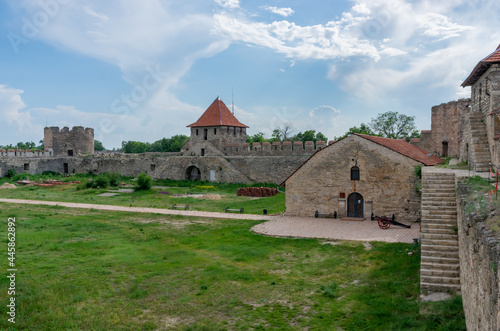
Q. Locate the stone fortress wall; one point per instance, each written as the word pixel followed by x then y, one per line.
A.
pixel 447 127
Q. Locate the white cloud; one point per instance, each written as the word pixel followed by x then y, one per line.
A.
pixel 228 3
pixel 330 41
pixel 12 108
pixel 284 11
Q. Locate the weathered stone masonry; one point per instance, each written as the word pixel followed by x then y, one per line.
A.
pixel 479 270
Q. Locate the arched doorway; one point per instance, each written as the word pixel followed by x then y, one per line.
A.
pixel 355 205
pixel 193 173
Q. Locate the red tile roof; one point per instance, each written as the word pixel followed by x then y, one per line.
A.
pixel 482 67
pixel 217 115
pixel 397 145
pixel 406 149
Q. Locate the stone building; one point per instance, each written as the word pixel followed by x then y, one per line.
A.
pixel 480 145
pixel 216 128
pixel 66 142
pixel 357 176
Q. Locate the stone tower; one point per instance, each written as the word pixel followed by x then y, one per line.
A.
pixel 66 142
pixel 216 127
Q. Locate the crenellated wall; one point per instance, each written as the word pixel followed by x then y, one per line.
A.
pixel 273 149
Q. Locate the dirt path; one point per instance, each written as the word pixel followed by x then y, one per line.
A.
pixel 278 226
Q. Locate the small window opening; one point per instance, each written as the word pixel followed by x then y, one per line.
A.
pixel 205 134
pixel 70 152
pixel 153 167
pixel 215 131
pixel 26 166
pixel 196 131
pixel 354 173
pixel 203 152
pixel 66 168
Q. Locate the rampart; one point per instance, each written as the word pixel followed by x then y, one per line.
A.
pixel 216 168
pixel 274 149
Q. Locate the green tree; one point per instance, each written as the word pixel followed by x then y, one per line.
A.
pixel 98 146
pixel 257 138
pixel 362 129
pixel 394 125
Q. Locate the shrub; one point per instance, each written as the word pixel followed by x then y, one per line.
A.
pixel 10 173
pixel 114 178
pixel 329 290
pixel 144 181
pixel 102 181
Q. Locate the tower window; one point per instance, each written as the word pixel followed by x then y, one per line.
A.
pixel 215 131
pixel 196 131
pixel 354 173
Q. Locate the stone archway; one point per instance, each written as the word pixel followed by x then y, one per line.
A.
pixel 193 173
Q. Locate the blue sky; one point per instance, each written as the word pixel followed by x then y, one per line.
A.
pixel 143 70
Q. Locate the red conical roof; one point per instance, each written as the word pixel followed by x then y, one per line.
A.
pixel 217 115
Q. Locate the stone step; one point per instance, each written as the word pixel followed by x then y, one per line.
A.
pixel 439 180
pixel 441 266
pixel 439 201
pixel 440 242
pixel 432 190
pixel 439 206
pixel 439 279
pixel 437 213
pixel 429 247
pixel 430 287
pixel 444 254
pixel 440 273
pixel 434 259
pixel 436 195
pixel 438 231
pixel 438 236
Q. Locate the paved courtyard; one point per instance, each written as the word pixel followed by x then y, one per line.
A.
pixel 278 226
pixel 335 229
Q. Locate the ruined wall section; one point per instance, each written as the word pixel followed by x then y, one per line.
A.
pixel 479 253
pixel 447 127
pixel 66 142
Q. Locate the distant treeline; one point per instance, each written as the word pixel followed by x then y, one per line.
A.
pixel 173 144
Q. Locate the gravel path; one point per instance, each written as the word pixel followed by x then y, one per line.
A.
pixel 278 226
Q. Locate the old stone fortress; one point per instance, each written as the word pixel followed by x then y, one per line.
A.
pixel 354 177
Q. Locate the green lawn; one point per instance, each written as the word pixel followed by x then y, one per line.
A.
pixel 87 269
pixel 155 197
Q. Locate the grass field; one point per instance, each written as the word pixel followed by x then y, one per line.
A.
pixel 157 197
pixel 87 269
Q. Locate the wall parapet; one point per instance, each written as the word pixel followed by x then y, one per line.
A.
pixel 276 148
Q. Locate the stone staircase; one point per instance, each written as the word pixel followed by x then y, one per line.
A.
pixel 439 268
pixel 479 149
